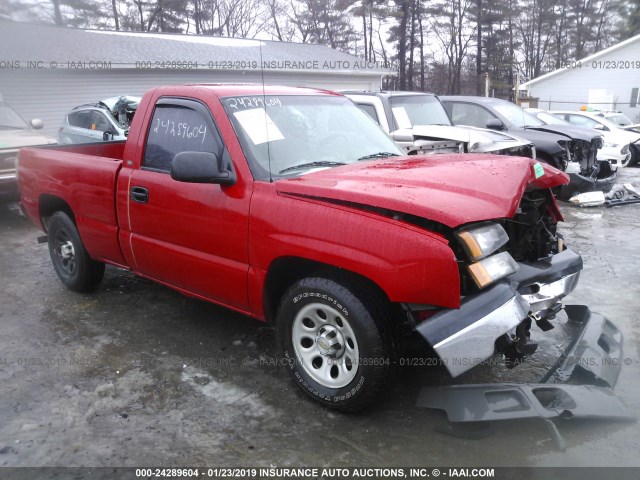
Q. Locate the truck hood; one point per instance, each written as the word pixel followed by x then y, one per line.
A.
pixel 568 131
pixel 483 140
pixel 621 137
pixel 448 189
pixel 11 139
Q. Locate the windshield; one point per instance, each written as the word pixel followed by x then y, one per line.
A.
pixel 551 119
pixel 516 115
pixel 606 122
pixel 290 135
pixel 9 119
pixel 619 119
pixel 411 110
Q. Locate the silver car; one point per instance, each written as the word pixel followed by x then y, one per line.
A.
pixel 107 120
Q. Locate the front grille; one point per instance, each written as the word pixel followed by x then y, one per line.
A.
pixel 585 154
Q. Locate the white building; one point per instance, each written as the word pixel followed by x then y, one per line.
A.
pixel 45 70
pixel 607 80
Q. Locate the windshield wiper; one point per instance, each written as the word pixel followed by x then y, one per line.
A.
pixel 379 155
pixel 312 164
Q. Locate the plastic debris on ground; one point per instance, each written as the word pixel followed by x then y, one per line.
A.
pixel 589 199
pixel 623 195
pixel 619 195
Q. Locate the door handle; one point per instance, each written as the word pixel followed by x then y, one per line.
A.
pixel 139 194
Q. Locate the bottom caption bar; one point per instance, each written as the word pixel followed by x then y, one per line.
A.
pixel 319 473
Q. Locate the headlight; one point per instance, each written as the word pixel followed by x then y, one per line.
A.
pixel 493 268
pixel 481 241
pixel 611 145
pixel 474 147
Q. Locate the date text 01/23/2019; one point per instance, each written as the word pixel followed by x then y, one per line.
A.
pixel 604 64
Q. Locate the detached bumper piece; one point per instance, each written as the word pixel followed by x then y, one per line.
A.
pixel 595 354
pixel 494 402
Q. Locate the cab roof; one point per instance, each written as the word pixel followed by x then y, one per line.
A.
pixel 229 89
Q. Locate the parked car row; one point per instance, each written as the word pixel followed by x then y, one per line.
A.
pixel 564 147
pixel 419 123
pixel 588 146
pixel 625 142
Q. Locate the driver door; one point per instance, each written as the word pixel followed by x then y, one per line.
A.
pixel 189 235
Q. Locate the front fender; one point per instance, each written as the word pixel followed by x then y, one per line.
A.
pixel 408 263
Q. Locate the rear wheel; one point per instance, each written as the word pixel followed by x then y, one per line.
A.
pixel 334 341
pixel 70 260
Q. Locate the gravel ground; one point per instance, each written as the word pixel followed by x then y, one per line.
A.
pixel 136 374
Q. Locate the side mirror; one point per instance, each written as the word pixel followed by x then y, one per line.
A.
pixel 601 127
pixel 402 136
pixel 36 124
pixel 107 136
pixel 201 167
pixel 495 124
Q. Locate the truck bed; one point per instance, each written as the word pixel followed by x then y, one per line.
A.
pixel 112 150
pixel 84 178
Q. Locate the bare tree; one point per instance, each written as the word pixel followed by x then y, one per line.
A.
pixel 451 28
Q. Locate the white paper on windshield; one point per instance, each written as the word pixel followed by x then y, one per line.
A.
pixel 258 125
pixel 402 119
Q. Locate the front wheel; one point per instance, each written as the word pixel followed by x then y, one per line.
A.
pixel 332 337
pixel 635 155
pixel 70 260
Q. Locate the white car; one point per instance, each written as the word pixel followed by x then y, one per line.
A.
pixel 622 145
pixel 616 117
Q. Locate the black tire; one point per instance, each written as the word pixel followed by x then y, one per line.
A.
pixel 635 156
pixel 355 316
pixel 70 260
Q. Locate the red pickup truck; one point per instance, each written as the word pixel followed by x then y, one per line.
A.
pixel 292 206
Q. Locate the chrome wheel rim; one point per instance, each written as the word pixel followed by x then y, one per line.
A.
pixel 65 252
pixel 325 345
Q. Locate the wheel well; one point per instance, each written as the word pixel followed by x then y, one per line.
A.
pixel 50 204
pixel 285 271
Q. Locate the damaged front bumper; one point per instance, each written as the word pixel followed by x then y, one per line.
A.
pixel 601 178
pixel 465 337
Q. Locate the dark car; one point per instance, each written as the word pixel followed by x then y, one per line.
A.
pixel 557 145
